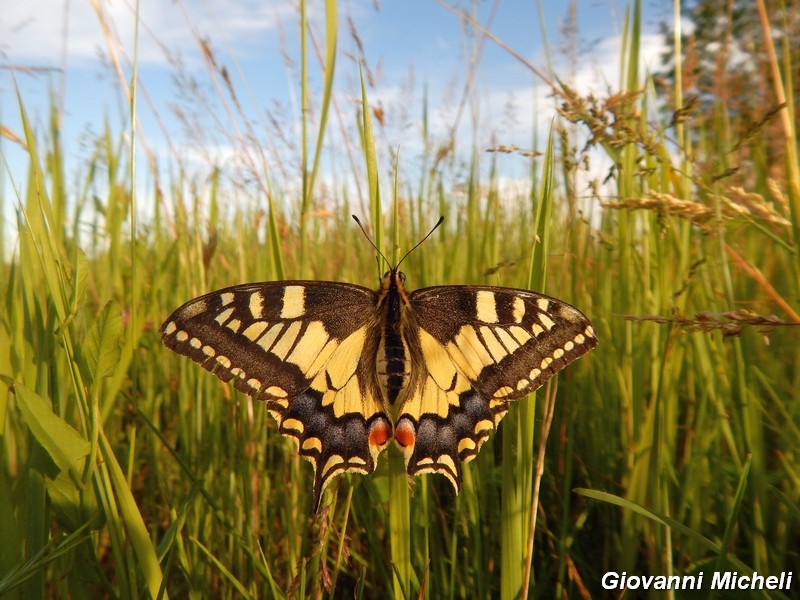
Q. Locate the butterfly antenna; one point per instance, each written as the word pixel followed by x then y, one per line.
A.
pixel 435 227
pixel 439 222
pixel 369 239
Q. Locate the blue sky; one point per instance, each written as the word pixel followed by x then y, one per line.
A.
pixel 56 47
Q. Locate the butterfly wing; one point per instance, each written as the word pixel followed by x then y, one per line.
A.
pixel 473 350
pixel 308 349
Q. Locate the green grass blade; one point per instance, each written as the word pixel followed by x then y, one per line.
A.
pixel 240 588
pixel 371 160
pixel 147 562
pixel 331 40
pixel 713 547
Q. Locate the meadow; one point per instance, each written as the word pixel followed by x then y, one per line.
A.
pixel 672 449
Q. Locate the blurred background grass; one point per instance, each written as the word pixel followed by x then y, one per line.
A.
pixel 130 472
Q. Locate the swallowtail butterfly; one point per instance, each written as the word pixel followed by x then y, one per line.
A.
pixel 345 369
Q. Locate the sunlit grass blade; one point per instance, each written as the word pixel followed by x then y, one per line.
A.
pixel 240 588
pixel 666 521
pixel 136 531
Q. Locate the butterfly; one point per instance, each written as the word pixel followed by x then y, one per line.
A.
pixel 345 369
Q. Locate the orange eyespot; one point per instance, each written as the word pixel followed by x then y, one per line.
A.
pixel 404 434
pixel 379 433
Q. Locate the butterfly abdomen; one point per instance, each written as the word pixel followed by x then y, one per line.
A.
pixel 392 364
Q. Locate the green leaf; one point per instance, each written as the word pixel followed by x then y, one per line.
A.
pixel 74 504
pixel 74 507
pixel 102 346
pixel 60 440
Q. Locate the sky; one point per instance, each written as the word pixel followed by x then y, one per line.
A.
pixel 416 54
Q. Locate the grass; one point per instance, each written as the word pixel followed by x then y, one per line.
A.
pixel 672 449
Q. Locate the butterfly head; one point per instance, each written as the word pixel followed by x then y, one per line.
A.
pixel 393 279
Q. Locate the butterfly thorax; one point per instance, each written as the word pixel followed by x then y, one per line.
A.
pixel 393 361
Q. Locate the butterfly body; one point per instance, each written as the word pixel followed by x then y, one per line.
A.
pixel 344 369
pixel 393 361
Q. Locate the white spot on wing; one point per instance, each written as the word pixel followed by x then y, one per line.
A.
pixel 332 463
pixel 276 392
pixel 519 309
pixel 312 443
pixel 256 304
pixel 295 425
pixel 193 309
pixel 445 460
pixel 519 334
pixel 483 425
pixel 254 330
pixel 570 313
pixel 226 298
pixel 223 317
pixel 466 444
pixel 546 321
pixel 294 302
pixel 486 307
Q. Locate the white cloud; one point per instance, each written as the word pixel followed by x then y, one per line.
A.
pixel 33 32
pixel 602 72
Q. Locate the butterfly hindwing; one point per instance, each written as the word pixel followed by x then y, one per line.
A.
pixel 476 349
pixel 300 346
